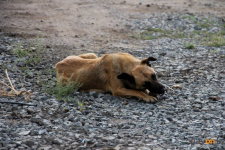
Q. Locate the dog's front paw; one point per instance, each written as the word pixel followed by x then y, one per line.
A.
pixel 150 99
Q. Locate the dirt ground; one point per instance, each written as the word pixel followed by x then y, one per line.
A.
pixel 90 24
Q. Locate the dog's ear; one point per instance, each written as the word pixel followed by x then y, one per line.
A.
pixel 146 61
pixel 126 77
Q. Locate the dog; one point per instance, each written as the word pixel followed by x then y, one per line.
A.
pixel 120 74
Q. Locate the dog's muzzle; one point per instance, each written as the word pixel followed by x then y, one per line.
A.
pixel 157 88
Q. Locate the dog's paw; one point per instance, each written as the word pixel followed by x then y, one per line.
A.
pixel 150 99
pixel 153 94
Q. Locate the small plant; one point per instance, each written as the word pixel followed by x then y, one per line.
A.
pixel 65 110
pixel 135 36
pixel 189 45
pixel 81 104
pixel 189 17
pixel 62 90
pixel 37 47
pixel 19 51
pixel 204 25
pixel 145 37
pixel 154 29
pixel 215 40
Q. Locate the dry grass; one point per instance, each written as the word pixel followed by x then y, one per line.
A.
pixel 13 91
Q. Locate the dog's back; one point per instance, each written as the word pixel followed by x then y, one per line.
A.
pixel 93 72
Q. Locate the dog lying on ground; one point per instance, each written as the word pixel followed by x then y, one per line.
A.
pixel 120 74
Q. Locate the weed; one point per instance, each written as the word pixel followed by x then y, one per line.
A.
pixel 19 51
pixel 179 35
pixel 148 34
pixel 154 29
pixel 189 45
pixel 81 104
pixel 62 91
pixel 213 51
pixel 222 32
pixel 36 57
pixel 189 17
pixel 146 37
pixel 204 25
pixel 215 40
pixel 135 36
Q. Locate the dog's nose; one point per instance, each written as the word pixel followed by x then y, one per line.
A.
pixel 163 89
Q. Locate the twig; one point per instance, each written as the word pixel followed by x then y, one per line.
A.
pixel 18 103
pixel 10 81
pixel 17 93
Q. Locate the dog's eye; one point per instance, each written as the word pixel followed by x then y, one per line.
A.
pixel 154 77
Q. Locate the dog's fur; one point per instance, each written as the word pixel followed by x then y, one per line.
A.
pixel 120 74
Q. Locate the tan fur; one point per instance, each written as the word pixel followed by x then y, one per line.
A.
pixel 100 74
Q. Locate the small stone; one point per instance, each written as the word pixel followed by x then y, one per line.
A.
pixel 39 29
pixel 57 141
pixel 40 132
pixel 23 133
pixel 109 138
pixel 29 143
pixel 214 98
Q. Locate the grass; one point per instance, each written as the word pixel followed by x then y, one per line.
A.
pixel 61 91
pixel 189 45
pixel 178 35
pixel 215 40
pixel 20 51
pixel 204 25
pixel 33 52
pixel 189 17
pixel 148 34
pixel 209 39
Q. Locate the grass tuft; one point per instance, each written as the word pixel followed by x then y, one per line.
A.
pixel 189 45
pixel 61 91
pixel 20 51
pixel 215 40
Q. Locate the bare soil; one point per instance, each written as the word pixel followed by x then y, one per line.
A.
pixel 90 24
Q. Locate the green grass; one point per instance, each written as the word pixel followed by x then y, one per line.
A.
pixel 204 25
pixel 148 34
pixel 33 52
pixel 20 51
pixel 37 47
pixel 189 17
pixel 178 35
pixel 189 45
pixel 206 38
pixel 146 37
pixel 215 40
pixel 61 91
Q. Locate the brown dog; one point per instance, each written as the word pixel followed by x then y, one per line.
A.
pixel 120 74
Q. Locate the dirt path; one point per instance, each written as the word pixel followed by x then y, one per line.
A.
pixel 90 24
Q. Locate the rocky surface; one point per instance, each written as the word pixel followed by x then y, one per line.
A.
pixel 182 119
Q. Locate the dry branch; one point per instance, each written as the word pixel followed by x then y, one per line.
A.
pixel 13 91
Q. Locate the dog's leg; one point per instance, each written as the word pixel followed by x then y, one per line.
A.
pixel 88 56
pixel 123 92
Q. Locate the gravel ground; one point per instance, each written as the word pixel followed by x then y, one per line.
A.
pixel 182 119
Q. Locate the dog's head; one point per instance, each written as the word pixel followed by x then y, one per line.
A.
pixel 143 77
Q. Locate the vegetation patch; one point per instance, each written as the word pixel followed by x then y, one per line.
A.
pixel 215 40
pixel 62 91
pixel 20 51
pixel 189 45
